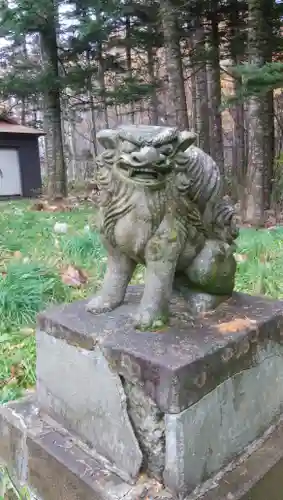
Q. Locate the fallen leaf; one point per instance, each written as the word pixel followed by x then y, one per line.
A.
pixel 52 208
pixel 17 254
pixel 73 276
pixel 235 325
pixel 55 206
pixel 12 379
pixel 37 206
pixel 240 257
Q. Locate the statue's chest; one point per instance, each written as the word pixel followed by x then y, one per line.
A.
pixel 130 226
pixel 132 233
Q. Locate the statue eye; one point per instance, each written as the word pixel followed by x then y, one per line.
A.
pixel 127 147
pixel 166 150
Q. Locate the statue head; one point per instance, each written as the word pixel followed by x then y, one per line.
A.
pixel 143 154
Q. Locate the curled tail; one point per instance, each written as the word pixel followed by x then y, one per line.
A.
pixel 222 221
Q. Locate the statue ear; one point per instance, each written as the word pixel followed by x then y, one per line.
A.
pixel 185 140
pixel 108 138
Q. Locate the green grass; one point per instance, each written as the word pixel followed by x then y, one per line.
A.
pixel 261 270
pixel 33 258
pixel 9 489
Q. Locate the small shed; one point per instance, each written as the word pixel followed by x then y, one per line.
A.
pixel 20 173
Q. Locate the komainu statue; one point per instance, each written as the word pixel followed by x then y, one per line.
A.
pixel 161 205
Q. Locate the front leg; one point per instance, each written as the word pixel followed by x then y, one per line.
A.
pixel 154 306
pixel 162 253
pixel 119 272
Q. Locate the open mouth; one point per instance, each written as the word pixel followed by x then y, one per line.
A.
pixel 143 175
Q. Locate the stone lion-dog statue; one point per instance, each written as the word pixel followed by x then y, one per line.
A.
pixel 161 205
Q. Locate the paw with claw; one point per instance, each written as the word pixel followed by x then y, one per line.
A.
pixel 100 304
pixel 150 319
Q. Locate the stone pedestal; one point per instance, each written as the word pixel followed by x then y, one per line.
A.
pixel 176 405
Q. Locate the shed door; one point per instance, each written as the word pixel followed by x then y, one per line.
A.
pixel 10 176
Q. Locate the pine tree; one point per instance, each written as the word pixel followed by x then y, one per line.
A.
pixel 235 50
pixel 214 85
pixel 174 65
pixel 257 30
pixel 29 17
pixel 259 79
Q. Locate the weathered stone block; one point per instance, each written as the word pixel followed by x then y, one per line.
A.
pixel 13 430
pixel 55 465
pixel 255 476
pixel 149 425
pixel 78 389
pixel 179 364
pixel 187 393
pixel 206 436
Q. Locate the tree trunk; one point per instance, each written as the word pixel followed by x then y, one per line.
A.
pixel 268 15
pixel 270 148
pixel 72 146
pixel 47 127
pixel 239 142
pixel 129 63
pixel 254 203
pixel 153 112
pixel 57 175
pixel 101 78
pixel 239 147
pixel 35 106
pixel 23 111
pixel 192 78
pixel 194 101
pixel 214 90
pixel 201 94
pixel 254 206
pixel 174 67
pixel 93 144
pixel 24 106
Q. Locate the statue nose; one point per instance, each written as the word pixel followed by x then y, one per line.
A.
pixel 146 155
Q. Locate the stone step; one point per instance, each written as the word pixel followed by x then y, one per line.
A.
pixel 42 454
pixel 256 475
pixel 56 466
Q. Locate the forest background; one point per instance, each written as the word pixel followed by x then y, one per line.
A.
pixel 72 67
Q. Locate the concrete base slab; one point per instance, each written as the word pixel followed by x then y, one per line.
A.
pixel 77 388
pixel 42 454
pixel 178 404
pixel 220 426
pixel 182 363
pixel 256 475
pixel 56 466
